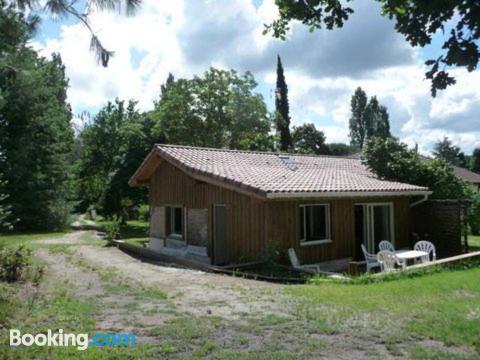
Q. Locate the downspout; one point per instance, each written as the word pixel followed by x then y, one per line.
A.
pixel 425 198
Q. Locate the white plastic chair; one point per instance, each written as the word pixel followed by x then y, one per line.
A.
pixel 386 245
pixel 370 259
pixel 388 260
pixel 428 247
pixel 312 268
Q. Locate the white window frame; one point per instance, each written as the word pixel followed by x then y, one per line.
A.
pixel 367 236
pixel 328 240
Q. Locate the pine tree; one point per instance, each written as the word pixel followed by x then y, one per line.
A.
pixel 282 116
pixel 35 136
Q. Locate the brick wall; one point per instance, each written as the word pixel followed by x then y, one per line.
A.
pixel 439 221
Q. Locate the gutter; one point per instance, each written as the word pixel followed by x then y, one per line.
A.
pixel 425 198
pixel 344 194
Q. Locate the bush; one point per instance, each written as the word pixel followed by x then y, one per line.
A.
pixel 13 262
pixel 391 160
pixel 144 212
pixel 112 228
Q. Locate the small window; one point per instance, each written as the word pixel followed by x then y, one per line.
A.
pixel 314 224
pixel 175 221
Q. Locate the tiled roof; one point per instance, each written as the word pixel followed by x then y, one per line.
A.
pixel 266 173
pixel 466 175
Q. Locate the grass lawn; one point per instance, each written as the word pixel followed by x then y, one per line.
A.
pixel 444 307
pixel 132 229
pixel 434 316
pixel 13 239
pixel 474 242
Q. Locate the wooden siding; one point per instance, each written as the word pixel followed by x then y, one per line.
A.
pixel 252 223
pixel 283 218
pixel 245 218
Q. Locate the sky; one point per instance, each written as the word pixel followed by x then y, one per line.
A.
pixel 322 69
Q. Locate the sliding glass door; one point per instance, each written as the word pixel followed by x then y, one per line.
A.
pixel 377 224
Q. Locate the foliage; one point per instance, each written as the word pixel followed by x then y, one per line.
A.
pixel 80 11
pixel 13 262
pixel 218 109
pixel 112 228
pixel 308 140
pixel 392 160
pixel 282 109
pixel 111 148
pixel 339 149
pixel 446 150
pixel 35 133
pixel 418 21
pixel 474 211
pixel 367 119
pixel 5 209
pixel 475 161
pixel 144 212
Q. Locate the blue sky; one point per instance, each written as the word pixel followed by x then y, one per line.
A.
pixel 323 68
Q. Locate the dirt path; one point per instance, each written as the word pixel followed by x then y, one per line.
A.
pixel 165 305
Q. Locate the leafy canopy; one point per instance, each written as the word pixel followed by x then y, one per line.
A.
pixel 368 119
pixel 446 150
pixel 218 109
pixel 418 21
pixel 35 133
pixel 392 160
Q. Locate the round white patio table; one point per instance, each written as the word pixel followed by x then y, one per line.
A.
pixel 410 254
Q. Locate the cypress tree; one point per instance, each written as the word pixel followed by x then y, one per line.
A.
pixel 282 116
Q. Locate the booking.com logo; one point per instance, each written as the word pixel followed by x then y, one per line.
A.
pixel 81 341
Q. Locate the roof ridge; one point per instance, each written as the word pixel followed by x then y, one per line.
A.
pixel 257 151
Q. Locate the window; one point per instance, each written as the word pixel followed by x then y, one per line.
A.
pixel 175 221
pixel 314 224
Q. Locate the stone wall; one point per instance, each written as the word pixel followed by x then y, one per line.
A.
pixel 439 221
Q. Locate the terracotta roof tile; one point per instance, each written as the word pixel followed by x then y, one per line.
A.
pixel 266 172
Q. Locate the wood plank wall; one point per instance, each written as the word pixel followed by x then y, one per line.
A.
pixel 253 222
pixel 245 218
pixel 283 218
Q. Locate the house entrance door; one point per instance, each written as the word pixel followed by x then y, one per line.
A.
pixel 220 245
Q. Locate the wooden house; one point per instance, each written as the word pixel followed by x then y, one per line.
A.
pixel 227 206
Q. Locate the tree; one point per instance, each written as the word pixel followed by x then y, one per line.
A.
pixel 475 165
pixel 418 21
pixel 359 127
pixel 377 119
pixel 308 140
pixel 446 150
pixel 339 149
pixel 5 208
pixel 80 11
pixel 392 160
pixel 112 146
pixel 218 109
pixel 282 115
pixel 367 119
pixel 35 132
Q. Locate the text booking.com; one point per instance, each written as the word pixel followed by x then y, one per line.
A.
pixel 80 341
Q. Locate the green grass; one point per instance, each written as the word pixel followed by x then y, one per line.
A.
pixel 474 242
pixel 14 239
pixel 132 229
pixel 442 306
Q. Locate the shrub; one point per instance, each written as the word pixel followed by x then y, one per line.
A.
pixel 144 212
pixel 13 262
pixel 112 228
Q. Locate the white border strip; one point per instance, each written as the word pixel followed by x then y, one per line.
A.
pixel 343 194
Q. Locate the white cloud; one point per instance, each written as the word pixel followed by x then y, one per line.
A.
pixel 323 68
